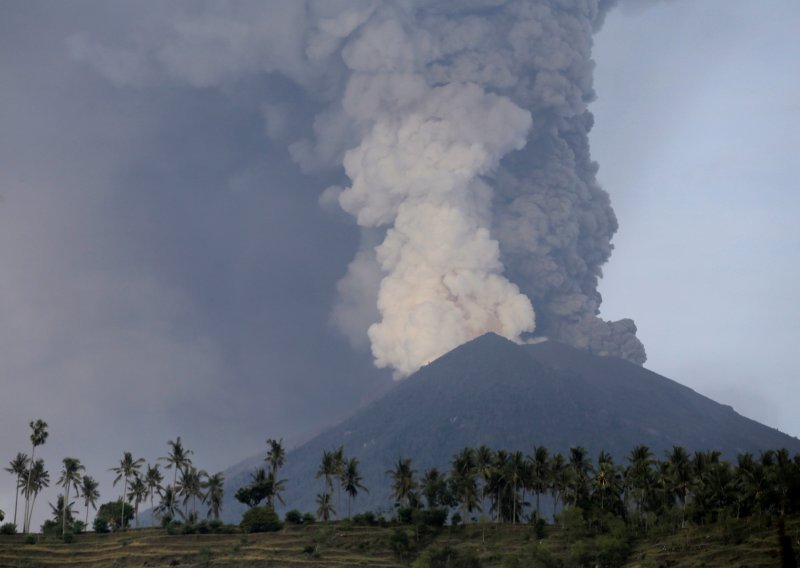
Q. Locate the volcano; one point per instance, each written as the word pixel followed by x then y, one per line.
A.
pixel 495 392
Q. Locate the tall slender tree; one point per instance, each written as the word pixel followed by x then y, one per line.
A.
pixel 177 459
pixel 127 468
pixel 324 507
pixel 17 468
pixel 215 489
pixel 539 474
pixel 191 487
pixel 38 479
pixel 90 494
pixel 153 479
pixel 39 436
pixel 403 482
pixel 327 470
pixel 352 482
pixel 276 456
pixel 70 477
pixel 464 482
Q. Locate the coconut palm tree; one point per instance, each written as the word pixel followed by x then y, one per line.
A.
pixel 38 479
pixel 484 459
pixel 215 488
pixel 324 507
pixel 351 482
pixel 338 468
pixel 90 494
pixel 464 482
pixel 70 477
pixel 639 477
pixel 128 467
pixel 17 468
pixel 153 479
pixel 559 480
pixel 177 459
pixel 679 473
pixel 539 474
pixel 581 467
pixel 276 455
pixel 515 474
pixel 39 435
pixel 191 486
pixel 434 488
pixel 137 494
pixel 167 507
pixel 403 483
pixel 326 470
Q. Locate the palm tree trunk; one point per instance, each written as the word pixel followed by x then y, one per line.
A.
pixel 538 510
pixel 16 500
pixel 28 491
pixel 64 513
pixel 124 491
pixel 87 515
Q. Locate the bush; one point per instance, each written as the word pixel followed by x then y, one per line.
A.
pixel 294 517
pixel 8 528
pixel 261 519
pixel 31 539
pixel 401 544
pixel 78 527
pixel 69 538
pixel 112 513
pixel 308 519
pixel 215 525
pixel 455 520
pixel 366 519
pixel 435 557
pixel 100 525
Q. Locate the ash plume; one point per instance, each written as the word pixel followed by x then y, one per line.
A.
pixel 458 131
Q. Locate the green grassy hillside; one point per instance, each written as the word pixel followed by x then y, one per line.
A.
pixel 339 544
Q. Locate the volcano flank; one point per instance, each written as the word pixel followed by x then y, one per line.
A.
pixel 495 392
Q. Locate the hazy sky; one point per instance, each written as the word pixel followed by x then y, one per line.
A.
pixel 167 268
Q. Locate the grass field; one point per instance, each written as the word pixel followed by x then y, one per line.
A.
pixel 336 544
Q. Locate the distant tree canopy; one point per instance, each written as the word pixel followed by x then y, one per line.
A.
pixel 111 513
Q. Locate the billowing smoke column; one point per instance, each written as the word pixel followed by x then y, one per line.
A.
pixel 462 129
pixel 480 202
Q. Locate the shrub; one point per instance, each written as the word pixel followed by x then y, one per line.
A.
pixel 78 527
pixel 215 525
pixel 294 517
pixel 455 520
pixel 308 519
pixel 435 557
pixel 31 539
pixel 261 519
pixel 8 528
pixel 69 538
pixel 100 525
pixel 401 544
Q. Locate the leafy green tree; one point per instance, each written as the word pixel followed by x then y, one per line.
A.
pixel 17 468
pixel 90 494
pixel 70 477
pixel 352 482
pixel 214 486
pixel 115 514
pixel 324 507
pixel 261 519
pixel 39 436
pixel 63 515
pixel 127 468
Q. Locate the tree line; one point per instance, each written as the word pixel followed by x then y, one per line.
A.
pixel 139 484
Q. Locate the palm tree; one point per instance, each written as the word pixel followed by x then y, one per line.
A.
pixel 324 507
pixel 338 468
pixel 89 493
pixel 484 459
pixel 38 479
pixel 38 437
pixel 559 480
pixel 214 486
pixel 403 483
pixel 127 468
pixel 153 479
pixel 276 455
pixel 464 483
pixel 327 469
pixel 639 476
pixel 581 466
pixel 607 479
pixel 516 471
pixel 137 494
pixel 434 487
pixel 679 477
pixel 191 486
pixel 16 467
pixel 351 482
pixel 177 460
pixel 539 474
pixel 167 507
pixel 70 476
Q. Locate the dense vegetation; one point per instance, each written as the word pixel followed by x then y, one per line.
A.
pixel 592 512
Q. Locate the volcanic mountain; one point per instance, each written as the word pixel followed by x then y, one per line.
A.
pixel 495 392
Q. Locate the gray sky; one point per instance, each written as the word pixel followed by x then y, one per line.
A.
pixel 167 269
